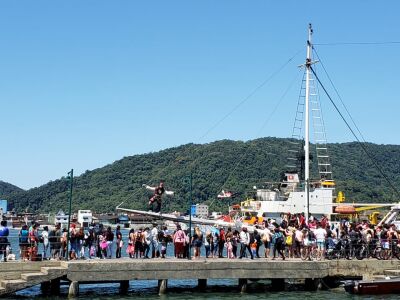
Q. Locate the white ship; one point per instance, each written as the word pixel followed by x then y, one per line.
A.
pixel 295 194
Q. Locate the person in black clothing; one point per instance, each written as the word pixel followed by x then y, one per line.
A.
pixel 110 239
pixel 98 233
pixel 118 236
pixel 90 240
pixel 257 238
pixel 159 191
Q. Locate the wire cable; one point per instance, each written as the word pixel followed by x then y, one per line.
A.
pixel 355 136
pixel 337 93
pixel 261 129
pixel 357 43
pixel 249 95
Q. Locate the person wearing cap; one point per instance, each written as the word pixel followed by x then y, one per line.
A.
pixel 159 191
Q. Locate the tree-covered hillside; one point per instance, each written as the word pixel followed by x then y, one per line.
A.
pixel 7 188
pixel 229 165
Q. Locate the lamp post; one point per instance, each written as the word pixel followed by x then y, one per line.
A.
pixel 189 179
pixel 71 182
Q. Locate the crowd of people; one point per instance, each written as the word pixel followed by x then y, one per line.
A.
pixel 270 239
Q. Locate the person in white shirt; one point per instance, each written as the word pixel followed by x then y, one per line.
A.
pixel 45 240
pixel 245 243
pixel 320 234
pixel 154 241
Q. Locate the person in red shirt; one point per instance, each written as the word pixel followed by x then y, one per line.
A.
pixel 221 242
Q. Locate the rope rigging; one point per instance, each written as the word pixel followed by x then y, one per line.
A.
pixel 262 128
pixel 269 78
pixel 356 43
pixel 355 136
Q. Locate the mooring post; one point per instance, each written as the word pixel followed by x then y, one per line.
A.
pixel 243 285
pixel 55 287
pixel 311 284
pixel 202 284
pixel 278 284
pixel 162 286
pixel 73 291
pixel 45 287
pixel 123 286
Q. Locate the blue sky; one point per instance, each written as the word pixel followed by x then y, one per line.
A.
pixel 84 83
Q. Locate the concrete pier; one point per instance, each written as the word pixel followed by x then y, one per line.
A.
pixel 15 276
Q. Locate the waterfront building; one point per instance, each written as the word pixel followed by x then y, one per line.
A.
pixel 199 210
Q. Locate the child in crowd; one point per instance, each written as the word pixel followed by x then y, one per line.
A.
pixel 253 247
pixel 229 248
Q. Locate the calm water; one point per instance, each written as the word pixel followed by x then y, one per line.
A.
pixel 186 289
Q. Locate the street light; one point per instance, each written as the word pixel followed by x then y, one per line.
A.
pixel 71 182
pixel 189 180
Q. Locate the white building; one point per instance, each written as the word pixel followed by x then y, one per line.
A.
pixel 61 218
pixel 85 218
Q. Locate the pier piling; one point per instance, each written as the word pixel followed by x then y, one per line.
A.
pixel 278 284
pixel 311 284
pixel 124 287
pixel 243 285
pixel 73 291
pixel 202 284
pixel 162 286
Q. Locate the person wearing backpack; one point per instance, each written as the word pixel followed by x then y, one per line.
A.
pixel 278 243
pixel 139 243
pixel 23 242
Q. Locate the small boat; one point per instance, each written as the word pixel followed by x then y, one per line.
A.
pixel 373 287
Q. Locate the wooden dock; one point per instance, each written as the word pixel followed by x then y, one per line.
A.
pixel 15 276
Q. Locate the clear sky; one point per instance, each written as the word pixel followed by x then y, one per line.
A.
pixel 85 83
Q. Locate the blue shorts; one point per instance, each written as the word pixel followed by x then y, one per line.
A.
pixel 321 244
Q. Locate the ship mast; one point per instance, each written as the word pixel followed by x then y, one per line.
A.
pixel 307 125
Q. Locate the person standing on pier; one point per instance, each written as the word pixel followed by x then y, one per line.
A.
pixel 179 241
pixel 221 242
pixel 154 242
pixel 110 241
pixel 159 191
pixel 23 242
pixel 278 242
pixel 118 236
pixel 45 241
pixel 245 243
pixel 147 242
pixel 4 232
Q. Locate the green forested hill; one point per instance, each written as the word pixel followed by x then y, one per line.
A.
pixel 6 189
pixel 231 165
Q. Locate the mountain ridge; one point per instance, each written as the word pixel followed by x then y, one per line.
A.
pixel 225 164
